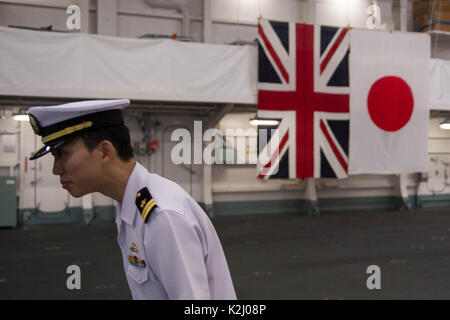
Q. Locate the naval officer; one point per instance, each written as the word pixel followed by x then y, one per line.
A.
pixel 169 246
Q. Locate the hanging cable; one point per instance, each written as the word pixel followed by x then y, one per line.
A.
pixel 259 9
pixel 237 22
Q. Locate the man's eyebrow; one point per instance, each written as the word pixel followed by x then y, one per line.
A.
pixel 56 150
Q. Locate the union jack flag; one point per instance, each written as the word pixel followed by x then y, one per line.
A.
pixel 303 82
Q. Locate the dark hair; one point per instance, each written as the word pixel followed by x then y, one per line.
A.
pixel 119 136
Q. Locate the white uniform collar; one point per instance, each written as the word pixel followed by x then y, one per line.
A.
pixel 136 182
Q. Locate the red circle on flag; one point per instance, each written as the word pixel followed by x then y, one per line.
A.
pixel 390 103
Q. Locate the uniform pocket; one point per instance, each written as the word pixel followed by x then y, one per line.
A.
pixel 140 275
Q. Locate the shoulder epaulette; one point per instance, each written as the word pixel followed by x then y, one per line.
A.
pixel 145 203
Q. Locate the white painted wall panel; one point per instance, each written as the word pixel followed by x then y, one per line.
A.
pixel 136 26
pixel 9 143
pixel 248 11
pixel 228 33
pixel 351 13
pixel 32 16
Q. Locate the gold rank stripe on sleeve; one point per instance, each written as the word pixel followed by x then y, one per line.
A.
pixel 148 207
pixel 145 203
pixel 66 131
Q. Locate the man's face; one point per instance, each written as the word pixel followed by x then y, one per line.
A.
pixel 78 168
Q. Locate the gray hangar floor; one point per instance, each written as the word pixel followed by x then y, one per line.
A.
pixel 270 257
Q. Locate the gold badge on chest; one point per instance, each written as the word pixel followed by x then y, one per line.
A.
pixel 134 248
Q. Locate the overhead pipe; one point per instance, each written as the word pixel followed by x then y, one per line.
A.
pixel 181 7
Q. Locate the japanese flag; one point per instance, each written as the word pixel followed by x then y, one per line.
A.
pixel 389 110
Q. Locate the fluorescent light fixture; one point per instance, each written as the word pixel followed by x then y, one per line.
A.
pixel 264 122
pixel 445 124
pixel 21 117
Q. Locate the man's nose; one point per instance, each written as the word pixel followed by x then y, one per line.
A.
pixel 57 169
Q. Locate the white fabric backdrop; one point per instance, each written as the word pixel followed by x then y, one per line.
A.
pixel 41 63
pixel 440 85
pixel 50 64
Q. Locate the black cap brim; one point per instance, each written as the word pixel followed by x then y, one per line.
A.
pixel 46 149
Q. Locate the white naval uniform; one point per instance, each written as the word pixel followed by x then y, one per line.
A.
pixel 182 252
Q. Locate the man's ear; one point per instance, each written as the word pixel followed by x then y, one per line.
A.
pixel 107 150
